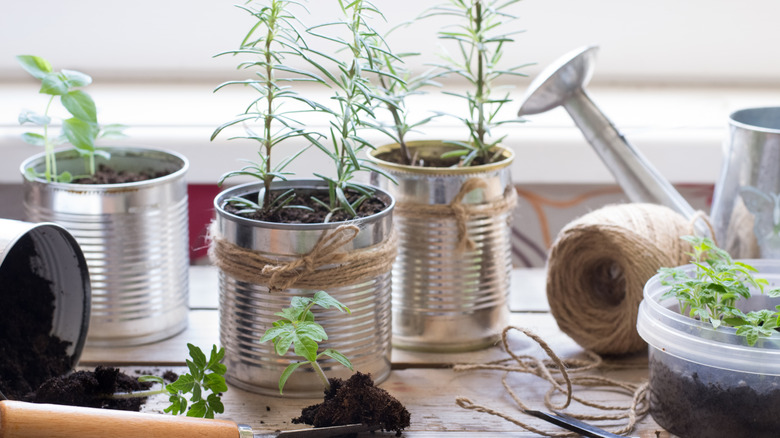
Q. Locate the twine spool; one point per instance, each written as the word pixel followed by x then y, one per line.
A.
pixel 598 267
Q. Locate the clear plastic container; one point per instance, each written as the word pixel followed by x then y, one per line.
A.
pixel 707 382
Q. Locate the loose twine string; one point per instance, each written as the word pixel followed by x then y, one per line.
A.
pixel 599 264
pixel 306 271
pixel 558 373
pixel 459 210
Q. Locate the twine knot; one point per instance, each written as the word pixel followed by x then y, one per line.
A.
pixel 460 211
pixel 324 267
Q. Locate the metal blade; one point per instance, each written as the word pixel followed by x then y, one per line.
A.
pixel 320 432
pixel 573 424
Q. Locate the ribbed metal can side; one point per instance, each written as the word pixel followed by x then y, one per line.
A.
pixel 446 299
pixel 135 239
pixel 247 310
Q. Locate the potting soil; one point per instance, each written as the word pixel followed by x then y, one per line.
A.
pixel 356 400
pixel 697 401
pixel 28 354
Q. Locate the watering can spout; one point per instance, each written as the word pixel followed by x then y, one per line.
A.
pixel 563 84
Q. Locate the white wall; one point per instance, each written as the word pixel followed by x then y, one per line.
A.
pixel 659 41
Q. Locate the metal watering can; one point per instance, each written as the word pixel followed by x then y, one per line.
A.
pixel 746 205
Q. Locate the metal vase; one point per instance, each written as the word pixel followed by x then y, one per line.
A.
pixel 134 237
pixel 58 259
pixel 446 300
pixel 247 309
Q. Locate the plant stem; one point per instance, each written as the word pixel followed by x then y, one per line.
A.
pixel 137 394
pixel 480 94
pixel 321 375
pixel 51 163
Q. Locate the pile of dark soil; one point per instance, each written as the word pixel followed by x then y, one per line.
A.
pixel 28 354
pixel 91 389
pixel 356 400
pixel 108 175
pixel 694 400
pixel 316 215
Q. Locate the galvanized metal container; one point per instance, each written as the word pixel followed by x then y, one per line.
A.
pixel 134 237
pixel 446 299
pixel 247 309
pixel 56 257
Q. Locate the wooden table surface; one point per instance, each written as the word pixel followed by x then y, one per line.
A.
pixel 425 383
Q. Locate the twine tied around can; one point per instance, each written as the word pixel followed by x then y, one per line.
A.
pixel 461 211
pixel 563 376
pixel 306 271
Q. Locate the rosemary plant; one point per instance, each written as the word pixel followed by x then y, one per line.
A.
pixel 355 100
pixel 271 40
pixel 480 49
pixel 276 39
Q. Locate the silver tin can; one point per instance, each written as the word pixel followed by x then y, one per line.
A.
pixel 247 309
pixel 135 239
pixel 446 299
pixel 55 257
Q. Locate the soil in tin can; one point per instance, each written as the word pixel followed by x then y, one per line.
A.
pixel 105 174
pixel 356 400
pixel 28 354
pixel 693 400
pixel 313 213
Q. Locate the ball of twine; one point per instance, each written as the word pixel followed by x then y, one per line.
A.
pixel 598 266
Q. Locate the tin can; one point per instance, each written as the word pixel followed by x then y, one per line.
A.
pixel 447 298
pixel 55 257
pixel 134 237
pixel 248 309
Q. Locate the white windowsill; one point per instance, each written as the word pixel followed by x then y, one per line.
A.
pixel 681 130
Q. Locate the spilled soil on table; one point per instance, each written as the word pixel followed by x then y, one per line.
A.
pixel 357 400
pixel 34 365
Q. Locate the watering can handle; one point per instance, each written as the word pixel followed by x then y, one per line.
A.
pixel 562 84
pixel 634 173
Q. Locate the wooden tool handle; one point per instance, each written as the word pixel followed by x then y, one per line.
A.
pixel 31 420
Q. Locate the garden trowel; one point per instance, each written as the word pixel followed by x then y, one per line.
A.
pixel 33 420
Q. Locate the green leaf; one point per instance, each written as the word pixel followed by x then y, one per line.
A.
pixel 28 116
pixel 184 383
pixel 35 65
pixel 34 139
pixel 153 379
pixel 197 356
pixel 80 105
pixel 215 383
pixel 287 373
pixel 324 300
pixel 80 134
pixel 198 409
pixel 54 84
pixel 306 348
pixel 340 358
pixel 215 404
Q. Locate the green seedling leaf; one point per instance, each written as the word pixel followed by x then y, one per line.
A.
pixel 34 139
pixel 80 134
pixel 28 116
pixel 80 105
pixel 716 288
pixel 35 65
pixel 299 330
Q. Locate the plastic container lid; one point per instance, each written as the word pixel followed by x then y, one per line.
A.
pixel 663 328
